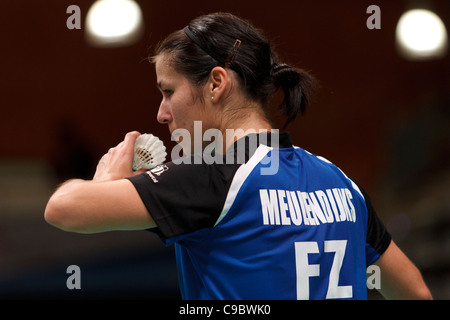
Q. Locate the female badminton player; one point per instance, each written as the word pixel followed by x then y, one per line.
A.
pixel 270 221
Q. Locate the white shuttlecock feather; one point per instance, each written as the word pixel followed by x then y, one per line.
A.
pixel 149 152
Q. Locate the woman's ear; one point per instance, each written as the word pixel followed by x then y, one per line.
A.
pixel 218 84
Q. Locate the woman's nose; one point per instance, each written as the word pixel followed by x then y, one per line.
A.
pixel 164 116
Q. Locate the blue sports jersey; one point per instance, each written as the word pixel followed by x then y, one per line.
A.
pixel 306 231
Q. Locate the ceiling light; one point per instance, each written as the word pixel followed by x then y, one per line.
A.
pixel 421 34
pixel 113 23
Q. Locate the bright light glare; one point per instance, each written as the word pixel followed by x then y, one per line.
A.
pixel 421 34
pixel 113 22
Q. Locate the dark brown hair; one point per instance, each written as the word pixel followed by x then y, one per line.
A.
pixel 207 43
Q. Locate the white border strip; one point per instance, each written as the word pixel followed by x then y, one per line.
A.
pixel 240 176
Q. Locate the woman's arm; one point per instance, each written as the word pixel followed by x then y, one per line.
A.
pixel 400 279
pixel 108 202
pixel 91 207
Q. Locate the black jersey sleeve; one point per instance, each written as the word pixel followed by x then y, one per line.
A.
pixel 183 198
pixel 378 237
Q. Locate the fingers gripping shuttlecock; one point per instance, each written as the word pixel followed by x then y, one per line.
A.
pixel 149 152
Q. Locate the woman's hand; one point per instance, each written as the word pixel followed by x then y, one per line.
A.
pixel 117 162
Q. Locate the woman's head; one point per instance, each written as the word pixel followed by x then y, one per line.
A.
pixel 224 40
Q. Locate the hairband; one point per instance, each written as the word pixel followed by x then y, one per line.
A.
pixel 231 56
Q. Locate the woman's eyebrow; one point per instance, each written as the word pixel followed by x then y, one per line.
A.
pixel 161 84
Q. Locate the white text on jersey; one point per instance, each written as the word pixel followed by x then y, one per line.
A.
pixel 285 207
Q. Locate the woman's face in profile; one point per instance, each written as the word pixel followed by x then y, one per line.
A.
pixel 181 104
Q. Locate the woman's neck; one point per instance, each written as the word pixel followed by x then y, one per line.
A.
pixel 240 122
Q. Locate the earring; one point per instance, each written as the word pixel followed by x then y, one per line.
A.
pixel 212 98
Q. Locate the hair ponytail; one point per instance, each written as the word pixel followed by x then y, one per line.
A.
pixel 297 87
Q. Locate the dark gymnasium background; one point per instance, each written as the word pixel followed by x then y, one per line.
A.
pixel 382 118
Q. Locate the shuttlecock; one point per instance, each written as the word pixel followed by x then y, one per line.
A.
pixel 149 152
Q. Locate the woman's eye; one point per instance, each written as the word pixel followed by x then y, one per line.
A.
pixel 168 92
